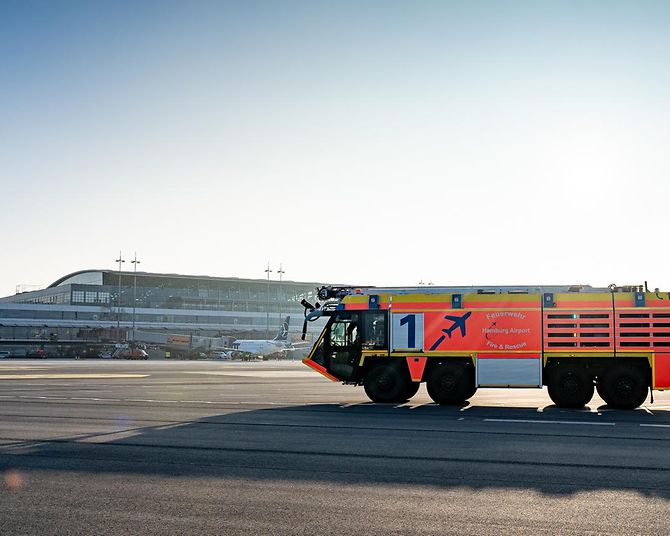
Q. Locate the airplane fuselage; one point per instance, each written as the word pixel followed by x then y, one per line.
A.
pixel 259 347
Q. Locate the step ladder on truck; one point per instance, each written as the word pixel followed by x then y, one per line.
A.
pixel 572 339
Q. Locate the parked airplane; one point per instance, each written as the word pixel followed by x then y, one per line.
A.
pixel 258 348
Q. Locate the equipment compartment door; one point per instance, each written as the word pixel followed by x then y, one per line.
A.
pixel 509 370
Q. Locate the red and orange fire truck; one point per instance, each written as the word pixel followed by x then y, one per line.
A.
pixel 571 339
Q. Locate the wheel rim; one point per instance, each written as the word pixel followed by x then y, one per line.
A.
pixel 448 383
pixel 624 387
pixel 571 385
pixel 384 383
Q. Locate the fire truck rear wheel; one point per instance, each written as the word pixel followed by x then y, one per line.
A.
pixel 450 384
pixel 623 387
pixel 386 383
pixel 570 387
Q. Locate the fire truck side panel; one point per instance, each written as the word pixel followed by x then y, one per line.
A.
pixel 643 329
pixel 578 329
pixel 661 368
pixel 504 329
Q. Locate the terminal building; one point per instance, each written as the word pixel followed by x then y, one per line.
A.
pixel 98 307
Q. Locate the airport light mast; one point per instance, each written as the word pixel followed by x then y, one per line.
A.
pixel 135 263
pixel 120 260
pixel 281 272
pixel 267 326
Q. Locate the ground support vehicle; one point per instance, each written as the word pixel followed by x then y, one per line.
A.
pixel 39 352
pixel 130 353
pixel 573 340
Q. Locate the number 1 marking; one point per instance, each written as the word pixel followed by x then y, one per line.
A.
pixel 410 320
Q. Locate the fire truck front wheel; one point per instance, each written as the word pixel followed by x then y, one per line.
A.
pixel 570 386
pixel 387 383
pixel 451 384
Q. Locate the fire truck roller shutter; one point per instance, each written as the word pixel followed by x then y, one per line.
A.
pixel 509 370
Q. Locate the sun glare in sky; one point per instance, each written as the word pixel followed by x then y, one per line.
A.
pixel 371 142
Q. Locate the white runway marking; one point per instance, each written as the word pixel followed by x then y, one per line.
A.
pixel 6 366
pixel 260 373
pixel 656 425
pixel 145 400
pixel 69 376
pixel 532 421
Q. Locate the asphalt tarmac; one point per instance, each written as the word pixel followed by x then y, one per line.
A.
pixel 109 447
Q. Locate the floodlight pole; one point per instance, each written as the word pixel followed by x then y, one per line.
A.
pixel 281 272
pixel 118 300
pixel 267 326
pixel 135 263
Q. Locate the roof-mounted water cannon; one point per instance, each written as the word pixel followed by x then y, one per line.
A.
pixel 331 296
pixel 333 293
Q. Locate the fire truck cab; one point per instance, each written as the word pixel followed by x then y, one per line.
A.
pixel 572 339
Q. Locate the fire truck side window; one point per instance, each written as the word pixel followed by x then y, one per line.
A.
pixel 343 332
pixel 374 330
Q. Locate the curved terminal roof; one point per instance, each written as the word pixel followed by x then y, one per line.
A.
pixel 97 277
pixel 93 277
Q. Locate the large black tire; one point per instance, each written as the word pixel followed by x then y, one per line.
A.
pixel 412 389
pixel 600 389
pixel 570 386
pixel 451 384
pixel 386 383
pixel 624 387
pixel 471 392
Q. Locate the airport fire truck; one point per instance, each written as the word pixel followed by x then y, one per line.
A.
pixel 573 339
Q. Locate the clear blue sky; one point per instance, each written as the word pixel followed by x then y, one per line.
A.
pixel 364 142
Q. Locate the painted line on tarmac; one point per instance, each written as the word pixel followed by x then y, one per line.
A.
pixel 85 398
pixel 96 399
pixel 35 397
pixel 536 421
pixel 656 425
pixel 147 400
pixel 286 374
pixel 5 367
pixel 69 376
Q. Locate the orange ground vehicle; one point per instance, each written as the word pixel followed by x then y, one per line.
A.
pixel 571 339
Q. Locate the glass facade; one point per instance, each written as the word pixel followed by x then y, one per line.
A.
pixel 176 292
pixel 87 305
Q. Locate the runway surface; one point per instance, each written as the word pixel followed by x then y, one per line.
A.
pixel 109 447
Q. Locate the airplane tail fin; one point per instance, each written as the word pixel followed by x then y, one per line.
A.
pixel 282 334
